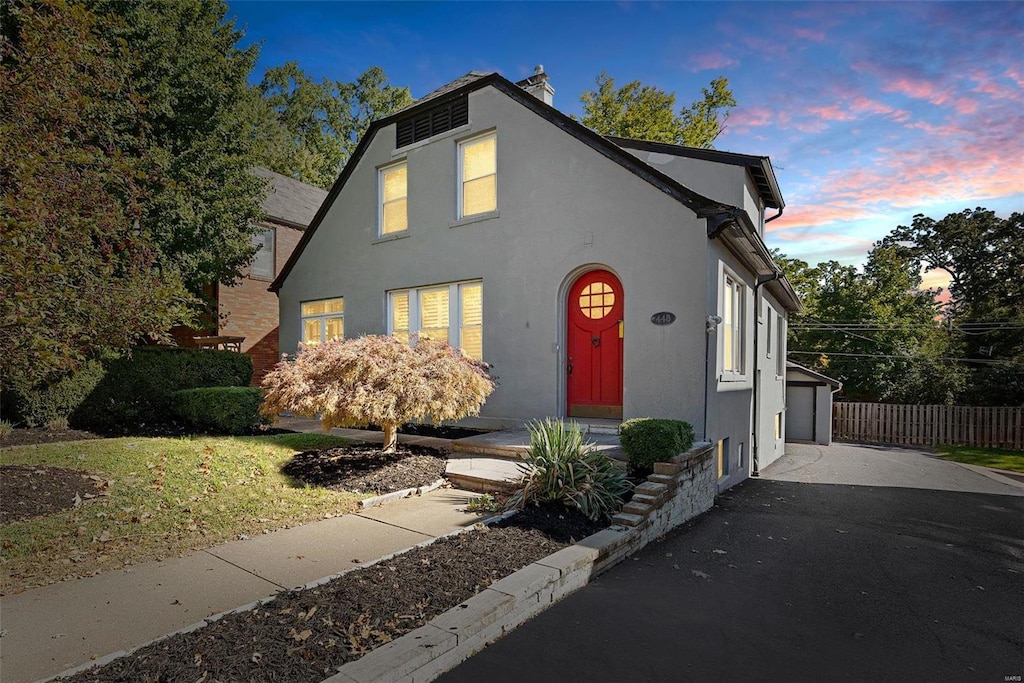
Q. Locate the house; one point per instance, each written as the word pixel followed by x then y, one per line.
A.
pixel 603 278
pixel 809 405
pixel 247 317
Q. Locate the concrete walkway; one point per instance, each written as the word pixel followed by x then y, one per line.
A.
pixel 49 630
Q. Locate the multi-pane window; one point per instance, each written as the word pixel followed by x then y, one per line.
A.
pixel 394 204
pixel 478 168
pixel 732 325
pixel 323 320
pixel 450 313
pixel 263 262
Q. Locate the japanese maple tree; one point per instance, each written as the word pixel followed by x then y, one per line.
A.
pixel 378 380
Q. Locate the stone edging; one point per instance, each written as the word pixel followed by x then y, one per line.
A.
pixel 678 491
pixel 396 495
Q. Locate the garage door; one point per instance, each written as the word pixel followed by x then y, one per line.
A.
pixel 800 413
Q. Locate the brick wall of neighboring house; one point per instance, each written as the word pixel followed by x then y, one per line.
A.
pixel 248 310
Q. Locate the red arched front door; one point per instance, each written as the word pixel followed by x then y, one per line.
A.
pixel 594 345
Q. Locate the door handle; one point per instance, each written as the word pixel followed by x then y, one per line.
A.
pixel 568 369
pixel 595 342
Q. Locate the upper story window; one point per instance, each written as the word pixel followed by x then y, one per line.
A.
pixel 394 204
pixel 323 320
pixel 780 340
pixel 262 266
pixel 478 174
pixel 451 313
pixel 732 333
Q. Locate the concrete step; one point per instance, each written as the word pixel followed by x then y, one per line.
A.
pixel 482 473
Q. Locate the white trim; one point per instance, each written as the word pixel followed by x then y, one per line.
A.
pixel 321 317
pixel 414 293
pixel 741 333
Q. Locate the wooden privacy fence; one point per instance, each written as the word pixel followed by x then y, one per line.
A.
pixel 929 425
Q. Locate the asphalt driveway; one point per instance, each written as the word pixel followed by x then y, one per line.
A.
pixel 817 571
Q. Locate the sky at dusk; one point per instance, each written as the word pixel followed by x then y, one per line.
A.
pixel 870 112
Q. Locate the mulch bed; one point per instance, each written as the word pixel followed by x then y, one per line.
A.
pixel 28 491
pixel 437 431
pixel 367 469
pixel 24 436
pixel 305 635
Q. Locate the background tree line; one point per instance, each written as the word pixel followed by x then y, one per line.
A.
pixel 889 341
pixel 129 130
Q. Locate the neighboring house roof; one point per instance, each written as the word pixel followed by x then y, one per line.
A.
pixel 289 201
pixel 729 223
pixel 790 365
pixel 759 168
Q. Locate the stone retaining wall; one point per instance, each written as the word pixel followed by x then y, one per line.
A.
pixel 678 491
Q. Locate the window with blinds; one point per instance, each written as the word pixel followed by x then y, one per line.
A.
pixel 451 313
pixel 394 206
pixel 262 266
pixel 478 161
pixel 322 320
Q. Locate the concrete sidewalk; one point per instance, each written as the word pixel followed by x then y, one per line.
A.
pixel 49 630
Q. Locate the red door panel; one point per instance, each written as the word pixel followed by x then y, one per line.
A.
pixel 594 346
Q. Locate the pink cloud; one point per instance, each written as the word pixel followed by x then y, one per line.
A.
pixel 745 118
pixel 832 112
pixel 809 34
pixel 964 105
pixel 918 88
pixel 711 60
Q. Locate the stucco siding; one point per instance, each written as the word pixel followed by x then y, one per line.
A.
pixel 562 207
pixel 722 182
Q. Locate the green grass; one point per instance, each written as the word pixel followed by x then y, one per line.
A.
pixel 986 457
pixel 165 497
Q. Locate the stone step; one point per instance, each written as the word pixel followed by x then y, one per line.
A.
pixel 482 474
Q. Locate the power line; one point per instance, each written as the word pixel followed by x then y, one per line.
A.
pixel 911 358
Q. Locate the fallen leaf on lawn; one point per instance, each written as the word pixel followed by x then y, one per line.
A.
pixel 78 500
pixel 308 615
pixel 104 537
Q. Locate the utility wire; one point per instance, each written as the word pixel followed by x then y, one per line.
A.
pixel 913 358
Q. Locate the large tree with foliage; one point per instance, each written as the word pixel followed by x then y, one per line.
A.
pixel 313 128
pixel 876 330
pixel 197 128
pixel 984 258
pixel 646 112
pixel 80 267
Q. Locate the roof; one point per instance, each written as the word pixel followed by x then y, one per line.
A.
pixel 445 89
pixel 759 168
pixel 289 201
pixel 729 223
pixel 790 365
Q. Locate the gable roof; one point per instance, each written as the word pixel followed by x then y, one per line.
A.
pixel 759 168
pixel 729 223
pixel 290 202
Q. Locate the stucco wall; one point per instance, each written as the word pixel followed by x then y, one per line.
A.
pixel 771 384
pixel 562 208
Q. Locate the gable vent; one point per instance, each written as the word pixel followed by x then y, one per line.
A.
pixel 433 121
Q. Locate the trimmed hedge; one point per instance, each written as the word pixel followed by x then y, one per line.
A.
pixel 648 440
pixel 135 394
pixel 225 410
pixel 43 404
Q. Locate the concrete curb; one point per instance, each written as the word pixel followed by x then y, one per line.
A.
pixel 991 473
pixel 456 635
pixel 398 495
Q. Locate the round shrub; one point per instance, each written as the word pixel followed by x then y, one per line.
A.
pixel 648 440
pixel 50 402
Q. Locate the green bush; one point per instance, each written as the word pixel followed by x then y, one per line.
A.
pixel 135 393
pixel 559 466
pixel 51 402
pixel 648 440
pixel 223 410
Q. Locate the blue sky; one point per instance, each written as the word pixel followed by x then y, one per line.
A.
pixel 870 112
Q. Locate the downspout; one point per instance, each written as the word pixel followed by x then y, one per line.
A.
pixel 755 472
pixel 776 215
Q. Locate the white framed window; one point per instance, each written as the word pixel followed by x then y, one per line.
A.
pixel 323 320
pixel 262 266
pixel 393 184
pixel 732 333
pixel 451 313
pixel 780 340
pixel 478 175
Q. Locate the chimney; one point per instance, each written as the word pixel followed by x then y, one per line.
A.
pixel 538 86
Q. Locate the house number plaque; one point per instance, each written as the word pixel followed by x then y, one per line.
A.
pixel 663 318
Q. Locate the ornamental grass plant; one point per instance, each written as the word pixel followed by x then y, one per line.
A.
pixel 560 466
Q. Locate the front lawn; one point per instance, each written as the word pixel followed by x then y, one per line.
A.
pixel 139 499
pixel 986 457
